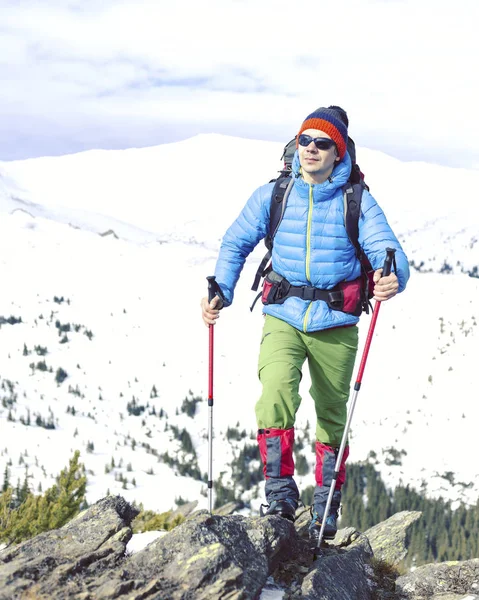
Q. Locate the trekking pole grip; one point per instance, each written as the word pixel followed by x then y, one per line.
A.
pixel 388 261
pixel 212 286
pixel 215 290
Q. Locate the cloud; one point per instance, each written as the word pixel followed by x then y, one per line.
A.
pixel 111 74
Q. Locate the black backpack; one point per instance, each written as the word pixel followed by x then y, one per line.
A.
pixel 352 193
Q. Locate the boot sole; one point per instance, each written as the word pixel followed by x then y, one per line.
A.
pixel 286 516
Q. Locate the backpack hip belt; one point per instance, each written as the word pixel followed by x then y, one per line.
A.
pixel 346 297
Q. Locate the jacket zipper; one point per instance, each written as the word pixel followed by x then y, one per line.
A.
pixel 308 253
pixel 308 234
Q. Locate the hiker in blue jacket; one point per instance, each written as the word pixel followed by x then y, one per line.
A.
pixel 313 253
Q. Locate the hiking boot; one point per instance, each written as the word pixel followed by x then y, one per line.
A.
pixel 283 508
pixel 330 529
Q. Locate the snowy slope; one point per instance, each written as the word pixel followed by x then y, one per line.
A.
pixel 173 191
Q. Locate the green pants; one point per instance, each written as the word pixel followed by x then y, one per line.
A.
pixel 331 354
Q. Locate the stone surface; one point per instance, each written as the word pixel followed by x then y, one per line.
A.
pixel 455 597
pixel 209 557
pixel 430 581
pixel 95 540
pixel 216 556
pixel 227 509
pixel 388 539
pixel 185 509
pixel 341 575
pixel 345 537
pixel 204 557
pixel 303 519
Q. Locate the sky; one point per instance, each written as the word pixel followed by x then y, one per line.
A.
pixel 82 75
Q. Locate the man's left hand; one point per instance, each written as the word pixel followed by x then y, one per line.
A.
pixel 385 287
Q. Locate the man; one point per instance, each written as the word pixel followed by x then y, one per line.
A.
pixel 311 248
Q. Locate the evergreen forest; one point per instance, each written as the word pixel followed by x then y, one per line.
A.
pixel 441 534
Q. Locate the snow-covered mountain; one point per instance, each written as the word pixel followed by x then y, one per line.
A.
pixel 103 260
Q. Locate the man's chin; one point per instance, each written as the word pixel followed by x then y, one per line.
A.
pixel 312 170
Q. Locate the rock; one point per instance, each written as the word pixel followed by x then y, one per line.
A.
pixel 455 597
pixel 228 509
pixel 341 575
pixel 208 557
pixel 448 578
pixel 184 510
pixel 303 519
pixel 345 537
pixel 95 539
pixel 109 232
pixel 388 539
pixel 214 556
pixel 204 557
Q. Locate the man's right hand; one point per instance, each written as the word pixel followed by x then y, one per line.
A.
pixel 211 310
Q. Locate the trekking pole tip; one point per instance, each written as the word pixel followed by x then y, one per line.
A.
pixel 318 552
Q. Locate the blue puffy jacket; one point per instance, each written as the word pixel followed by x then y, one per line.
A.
pixel 311 246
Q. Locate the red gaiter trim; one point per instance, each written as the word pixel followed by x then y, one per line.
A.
pixel 325 465
pixel 272 453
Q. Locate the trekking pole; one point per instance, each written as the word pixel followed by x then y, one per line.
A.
pixel 386 271
pixel 213 288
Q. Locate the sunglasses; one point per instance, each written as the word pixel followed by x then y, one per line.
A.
pixel 319 142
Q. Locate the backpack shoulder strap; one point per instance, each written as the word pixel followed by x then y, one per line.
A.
pixel 279 198
pixel 352 195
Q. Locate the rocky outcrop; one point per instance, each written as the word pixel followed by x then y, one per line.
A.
pixel 388 539
pixel 210 557
pixel 444 581
pixel 92 543
pixel 341 576
pixel 220 556
pixel 205 557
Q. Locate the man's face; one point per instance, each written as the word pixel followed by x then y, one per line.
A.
pixel 314 161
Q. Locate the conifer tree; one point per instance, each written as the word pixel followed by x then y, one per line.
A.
pixel 36 514
pixel 6 479
pixel 71 486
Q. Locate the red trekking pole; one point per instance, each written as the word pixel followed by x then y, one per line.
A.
pixel 213 290
pixel 386 271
